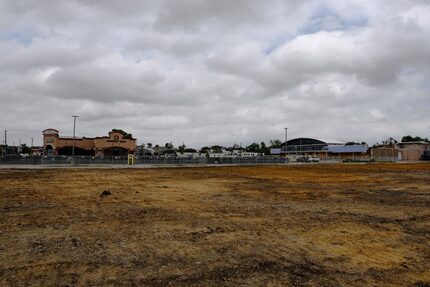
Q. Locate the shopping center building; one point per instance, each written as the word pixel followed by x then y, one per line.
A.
pixel 117 143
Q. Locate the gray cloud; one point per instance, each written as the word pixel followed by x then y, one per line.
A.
pixel 204 71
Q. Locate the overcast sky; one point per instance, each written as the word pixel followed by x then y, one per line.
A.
pixel 216 71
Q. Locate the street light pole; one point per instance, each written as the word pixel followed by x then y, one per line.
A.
pixel 5 142
pixel 74 129
pixel 286 139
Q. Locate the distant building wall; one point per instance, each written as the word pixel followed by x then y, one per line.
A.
pixel 412 151
pixel 114 140
pixel 349 156
pixel 385 154
pixel 82 143
pixel 348 152
pixel 275 151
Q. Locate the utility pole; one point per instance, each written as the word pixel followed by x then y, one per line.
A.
pixel 74 129
pixel 286 139
pixel 5 142
pixel 31 142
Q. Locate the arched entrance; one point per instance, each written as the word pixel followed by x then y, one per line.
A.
pixel 49 150
pixel 115 151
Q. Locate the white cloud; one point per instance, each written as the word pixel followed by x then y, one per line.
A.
pixel 205 71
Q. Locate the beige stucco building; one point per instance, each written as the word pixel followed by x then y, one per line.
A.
pixel 412 151
pixel 404 151
pixel 385 153
pixel 115 144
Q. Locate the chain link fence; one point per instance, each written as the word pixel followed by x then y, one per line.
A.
pixel 92 160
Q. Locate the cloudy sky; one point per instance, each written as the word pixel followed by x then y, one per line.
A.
pixel 216 71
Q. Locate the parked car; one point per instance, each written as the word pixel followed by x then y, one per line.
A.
pixel 302 159
pixel 313 159
pixel 308 159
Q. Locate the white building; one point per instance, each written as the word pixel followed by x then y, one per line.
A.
pixel 237 153
pixel 188 155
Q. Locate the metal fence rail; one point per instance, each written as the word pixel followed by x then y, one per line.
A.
pixel 92 160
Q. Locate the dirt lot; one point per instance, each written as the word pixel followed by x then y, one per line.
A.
pixel 304 225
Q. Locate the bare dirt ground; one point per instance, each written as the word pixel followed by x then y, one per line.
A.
pixel 304 225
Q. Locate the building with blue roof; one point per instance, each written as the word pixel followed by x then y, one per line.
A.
pixel 323 149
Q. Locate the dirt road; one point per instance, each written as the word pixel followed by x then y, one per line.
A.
pixel 307 225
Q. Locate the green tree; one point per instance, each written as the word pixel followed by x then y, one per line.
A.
pixel 262 145
pixel 264 149
pixel 390 142
pixel 182 148
pixel 205 149
pixel 216 148
pixel 413 139
pixel 275 143
pixel 168 145
pixel 352 143
pixel 25 149
pixel 235 146
pixel 254 147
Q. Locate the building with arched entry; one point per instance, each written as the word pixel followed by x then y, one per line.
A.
pixel 117 143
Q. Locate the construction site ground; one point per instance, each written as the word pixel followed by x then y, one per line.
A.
pixel 285 225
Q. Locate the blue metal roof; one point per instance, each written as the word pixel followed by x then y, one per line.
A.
pixel 347 148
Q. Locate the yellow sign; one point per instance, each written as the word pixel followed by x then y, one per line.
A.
pixel 130 160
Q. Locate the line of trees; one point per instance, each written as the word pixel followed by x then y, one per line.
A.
pixel 391 142
pixel 23 149
pixel 264 148
pixel 414 139
pixel 261 147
